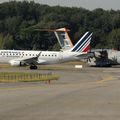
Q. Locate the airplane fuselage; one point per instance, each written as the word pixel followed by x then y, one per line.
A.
pixel 45 57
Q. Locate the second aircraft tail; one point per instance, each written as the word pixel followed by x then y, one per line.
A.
pixel 63 38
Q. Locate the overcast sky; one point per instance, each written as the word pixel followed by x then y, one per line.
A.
pixel 88 4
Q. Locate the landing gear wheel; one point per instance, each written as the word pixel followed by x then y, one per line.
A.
pixel 33 67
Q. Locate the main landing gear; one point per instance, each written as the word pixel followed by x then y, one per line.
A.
pixel 33 67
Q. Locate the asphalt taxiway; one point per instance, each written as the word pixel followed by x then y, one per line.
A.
pixel 86 94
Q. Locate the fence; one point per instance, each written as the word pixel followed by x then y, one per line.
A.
pixel 27 77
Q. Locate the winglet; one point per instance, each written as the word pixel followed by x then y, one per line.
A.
pixel 39 54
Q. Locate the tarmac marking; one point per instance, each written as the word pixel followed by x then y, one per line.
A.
pixel 105 79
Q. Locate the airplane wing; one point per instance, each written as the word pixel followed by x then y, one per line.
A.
pixel 31 60
pixel 34 61
pixel 27 61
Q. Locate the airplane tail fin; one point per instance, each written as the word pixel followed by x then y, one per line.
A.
pixel 83 45
pixel 63 38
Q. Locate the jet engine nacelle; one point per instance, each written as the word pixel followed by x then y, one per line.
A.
pixel 16 63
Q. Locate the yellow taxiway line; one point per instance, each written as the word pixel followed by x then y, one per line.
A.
pixel 105 79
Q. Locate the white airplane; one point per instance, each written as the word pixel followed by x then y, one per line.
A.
pixel 34 58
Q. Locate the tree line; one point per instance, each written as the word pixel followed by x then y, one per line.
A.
pixel 20 23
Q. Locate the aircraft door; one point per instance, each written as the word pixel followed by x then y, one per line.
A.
pixel 60 56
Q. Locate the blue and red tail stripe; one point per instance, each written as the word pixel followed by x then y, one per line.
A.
pixel 86 48
pixel 83 43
